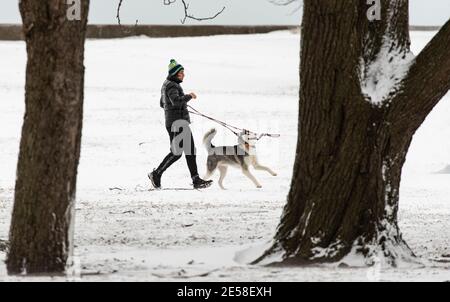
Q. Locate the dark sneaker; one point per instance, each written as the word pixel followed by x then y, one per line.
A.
pixel 199 183
pixel 155 178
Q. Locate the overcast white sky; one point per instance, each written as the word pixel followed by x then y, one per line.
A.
pixel 423 12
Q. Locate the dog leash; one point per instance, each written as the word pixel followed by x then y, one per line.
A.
pixel 230 127
pixel 223 124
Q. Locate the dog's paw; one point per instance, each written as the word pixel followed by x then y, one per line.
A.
pixel 274 174
pixel 259 187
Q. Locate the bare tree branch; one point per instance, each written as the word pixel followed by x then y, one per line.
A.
pixel 283 2
pixel 287 3
pixel 426 83
pixel 169 2
pixel 119 6
pixel 186 11
pixel 187 16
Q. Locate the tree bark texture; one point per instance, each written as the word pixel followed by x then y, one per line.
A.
pixel 344 193
pixel 42 219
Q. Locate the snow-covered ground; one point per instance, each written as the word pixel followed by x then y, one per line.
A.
pixel 124 232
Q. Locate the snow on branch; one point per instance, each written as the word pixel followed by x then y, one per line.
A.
pixel 381 77
pixel 426 82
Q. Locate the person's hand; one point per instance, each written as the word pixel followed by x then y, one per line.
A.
pixel 193 95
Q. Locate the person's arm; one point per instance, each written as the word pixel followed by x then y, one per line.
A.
pixel 175 98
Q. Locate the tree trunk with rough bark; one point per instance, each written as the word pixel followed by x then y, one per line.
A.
pixel 44 201
pixel 363 95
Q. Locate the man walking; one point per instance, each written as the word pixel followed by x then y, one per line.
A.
pixel 174 102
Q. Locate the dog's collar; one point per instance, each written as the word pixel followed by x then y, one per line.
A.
pixel 247 146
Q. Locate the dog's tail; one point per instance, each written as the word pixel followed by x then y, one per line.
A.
pixel 207 139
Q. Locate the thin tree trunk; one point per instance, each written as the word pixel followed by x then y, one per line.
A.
pixel 40 234
pixel 353 142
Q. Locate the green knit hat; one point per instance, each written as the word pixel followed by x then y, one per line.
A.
pixel 174 67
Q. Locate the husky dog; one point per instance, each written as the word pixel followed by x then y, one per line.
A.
pixel 242 155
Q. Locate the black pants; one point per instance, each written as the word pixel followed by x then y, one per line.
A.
pixel 179 146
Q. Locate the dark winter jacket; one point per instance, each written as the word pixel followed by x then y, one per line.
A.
pixel 174 101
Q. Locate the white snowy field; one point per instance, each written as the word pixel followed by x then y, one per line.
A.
pixel 125 232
